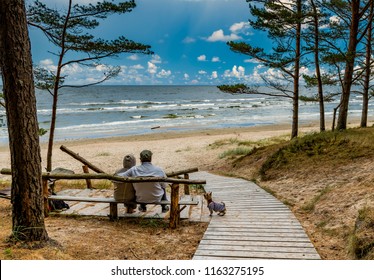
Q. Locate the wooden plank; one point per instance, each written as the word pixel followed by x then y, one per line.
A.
pixel 257 255
pixel 256 238
pixel 251 243
pixel 258 225
pixel 257 230
pixel 236 235
pixel 254 248
pixel 220 258
pixel 263 228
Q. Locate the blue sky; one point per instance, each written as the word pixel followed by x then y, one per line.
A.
pixel 188 38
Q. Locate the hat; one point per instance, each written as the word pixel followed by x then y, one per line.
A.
pixel 146 155
pixel 129 161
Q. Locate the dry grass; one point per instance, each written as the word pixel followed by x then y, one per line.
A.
pixel 96 238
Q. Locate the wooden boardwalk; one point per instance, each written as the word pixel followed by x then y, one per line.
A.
pixel 256 225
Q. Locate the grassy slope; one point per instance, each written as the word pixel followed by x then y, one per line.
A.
pixel 326 179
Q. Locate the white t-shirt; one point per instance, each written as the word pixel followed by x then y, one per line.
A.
pixel 147 192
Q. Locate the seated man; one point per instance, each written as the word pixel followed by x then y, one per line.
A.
pixel 125 191
pixel 147 192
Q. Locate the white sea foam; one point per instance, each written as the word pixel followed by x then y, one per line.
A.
pixel 120 110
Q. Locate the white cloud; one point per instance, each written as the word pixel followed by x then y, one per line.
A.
pixel 137 67
pixel 238 27
pixel 215 59
pixel 252 60
pixel 156 59
pixel 261 72
pixel 235 30
pixel 202 72
pixel 189 40
pixel 152 68
pixel 236 72
pixel 133 57
pixel 214 75
pixel 186 76
pixel 163 73
pixel 220 36
pixel 201 57
pixel 48 64
pixel 101 67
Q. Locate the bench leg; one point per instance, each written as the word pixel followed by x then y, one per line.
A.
pixel 45 197
pixel 113 211
pixel 174 207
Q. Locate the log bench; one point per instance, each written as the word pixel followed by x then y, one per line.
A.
pixel 113 204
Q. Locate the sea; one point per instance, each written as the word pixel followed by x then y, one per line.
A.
pixel 106 111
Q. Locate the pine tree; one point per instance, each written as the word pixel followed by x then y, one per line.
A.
pixel 282 20
pixel 68 31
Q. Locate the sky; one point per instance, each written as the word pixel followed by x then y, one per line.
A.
pixel 188 38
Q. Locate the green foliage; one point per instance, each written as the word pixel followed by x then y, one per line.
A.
pixel 338 146
pixel 239 151
pixel 309 206
pixel 242 148
pixel 42 131
pixel 327 80
pixel 237 88
pixel 315 98
pixel 8 253
pixel 155 223
pixel 19 233
pixel 45 79
pixel 361 242
pixel 2 102
pixel 170 116
pixel 223 142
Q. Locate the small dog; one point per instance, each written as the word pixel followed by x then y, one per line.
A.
pixel 214 206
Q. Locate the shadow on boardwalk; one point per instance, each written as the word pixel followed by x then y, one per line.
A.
pixel 256 225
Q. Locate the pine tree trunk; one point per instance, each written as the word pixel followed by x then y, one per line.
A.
pixel 368 71
pixel 295 109
pixel 19 95
pixel 55 90
pixel 349 69
pixel 318 70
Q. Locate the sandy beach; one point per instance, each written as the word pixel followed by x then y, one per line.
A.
pixel 171 151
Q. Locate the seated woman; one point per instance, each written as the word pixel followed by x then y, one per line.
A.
pixel 125 191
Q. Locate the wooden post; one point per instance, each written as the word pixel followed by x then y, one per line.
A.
pixel 113 211
pixel 186 186
pixel 174 207
pixel 88 181
pixel 45 196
